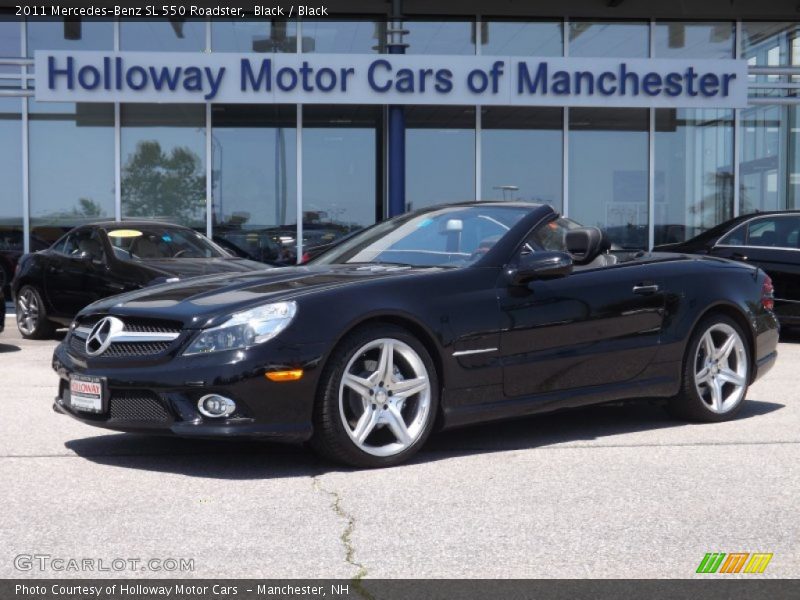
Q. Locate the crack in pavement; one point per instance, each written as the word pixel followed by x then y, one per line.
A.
pixel 346 537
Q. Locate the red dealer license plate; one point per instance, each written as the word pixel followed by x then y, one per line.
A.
pixel 86 393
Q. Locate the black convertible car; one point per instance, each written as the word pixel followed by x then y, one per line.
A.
pixel 769 240
pixel 102 259
pixel 447 316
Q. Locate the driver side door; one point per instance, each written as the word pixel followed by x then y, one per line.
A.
pixel 597 326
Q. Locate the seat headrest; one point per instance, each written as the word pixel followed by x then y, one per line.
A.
pixel 586 243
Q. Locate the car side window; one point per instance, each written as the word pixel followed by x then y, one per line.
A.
pixel 548 236
pixel 735 237
pixel 774 232
pixel 84 241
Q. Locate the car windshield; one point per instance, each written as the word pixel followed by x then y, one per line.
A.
pixel 453 236
pixel 159 242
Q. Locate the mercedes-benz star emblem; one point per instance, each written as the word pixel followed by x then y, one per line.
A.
pixel 102 334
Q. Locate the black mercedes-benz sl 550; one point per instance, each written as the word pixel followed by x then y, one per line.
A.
pixel 447 316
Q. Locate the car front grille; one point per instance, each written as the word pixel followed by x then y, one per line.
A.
pixel 143 338
pixel 138 405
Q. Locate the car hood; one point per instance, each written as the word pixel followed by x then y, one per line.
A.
pixel 196 301
pixel 194 267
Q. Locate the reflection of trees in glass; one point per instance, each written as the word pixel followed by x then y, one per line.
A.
pixel 160 184
pixel 86 209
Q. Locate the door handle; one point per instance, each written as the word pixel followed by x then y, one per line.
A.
pixel 645 289
pixel 738 256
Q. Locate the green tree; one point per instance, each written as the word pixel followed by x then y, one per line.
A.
pixel 156 184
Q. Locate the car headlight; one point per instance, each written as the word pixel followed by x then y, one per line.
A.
pixel 246 328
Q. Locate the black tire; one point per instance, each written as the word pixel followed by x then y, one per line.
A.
pixel 689 404
pixel 39 327
pixel 330 439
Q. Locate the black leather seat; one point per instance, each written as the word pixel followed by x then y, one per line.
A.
pixel 589 247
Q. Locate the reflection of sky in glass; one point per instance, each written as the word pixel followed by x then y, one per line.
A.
pixel 694 40
pixel 342 37
pixel 505 38
pixel 609 39
pixel 608 189
pixel 161 36
pixel 251 36
pixel 339 173
pixel 440 37
pixel 71 157
pixel 9 42
pixel 440 166
pixel 50 35
pixel 11 161
pixel 246 171
pixel 530 160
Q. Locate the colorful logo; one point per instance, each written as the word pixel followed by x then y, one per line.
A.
pixel 736 562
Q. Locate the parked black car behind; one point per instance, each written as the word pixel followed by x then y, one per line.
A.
pixel 103 259
pixel 769 240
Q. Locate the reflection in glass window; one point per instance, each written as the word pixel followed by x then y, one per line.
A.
pixel 9 42
pixel 518 38
pixel 254 180
pixel 64 139
pixel 163 163
pixel 11 243
pixel 176 35
pixel 521 151
pixel 608 179
pixel 769 167
pixel 678 39
pixel 340 170
pixel 343 37
pixel 77 34
pixel 610 39
pixel 250 35
pixel 440 155
pixel 440 37
pixel 771 44
pixel 693 172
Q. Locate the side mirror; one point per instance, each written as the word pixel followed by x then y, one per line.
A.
pixel 541 265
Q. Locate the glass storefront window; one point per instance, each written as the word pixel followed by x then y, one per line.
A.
pixel 341 150
pixel 628 39
pixel 254 180
pixel 9 42
pixel 522 157
pixel 162 36
pixel 693 172
pixel 518 38
pixel 770 44
pixel 679 39
pixel 79 34
pixel 769 167
pixel 608 174
pixel 163 163
pixel 253 36
pixel 440 37
pixel 71 165
pixel 343 37
pixel 440 155
pixel 11 240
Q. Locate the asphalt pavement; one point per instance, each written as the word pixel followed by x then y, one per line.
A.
pixel 605 492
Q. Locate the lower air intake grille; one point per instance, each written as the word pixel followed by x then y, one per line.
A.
pixel 140 406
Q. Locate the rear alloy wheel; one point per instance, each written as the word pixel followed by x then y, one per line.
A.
pixel 31 315
pixel 379 400
pixel 716 372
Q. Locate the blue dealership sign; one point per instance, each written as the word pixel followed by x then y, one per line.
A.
pixel 63 76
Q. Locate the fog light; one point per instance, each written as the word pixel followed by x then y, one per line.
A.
pixel 215 406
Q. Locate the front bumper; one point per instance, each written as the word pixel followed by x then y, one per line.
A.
pixel 162 397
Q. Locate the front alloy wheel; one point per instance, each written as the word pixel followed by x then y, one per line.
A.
pixel 31 316
pixel 379 400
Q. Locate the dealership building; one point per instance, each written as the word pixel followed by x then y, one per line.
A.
pixel 652 119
